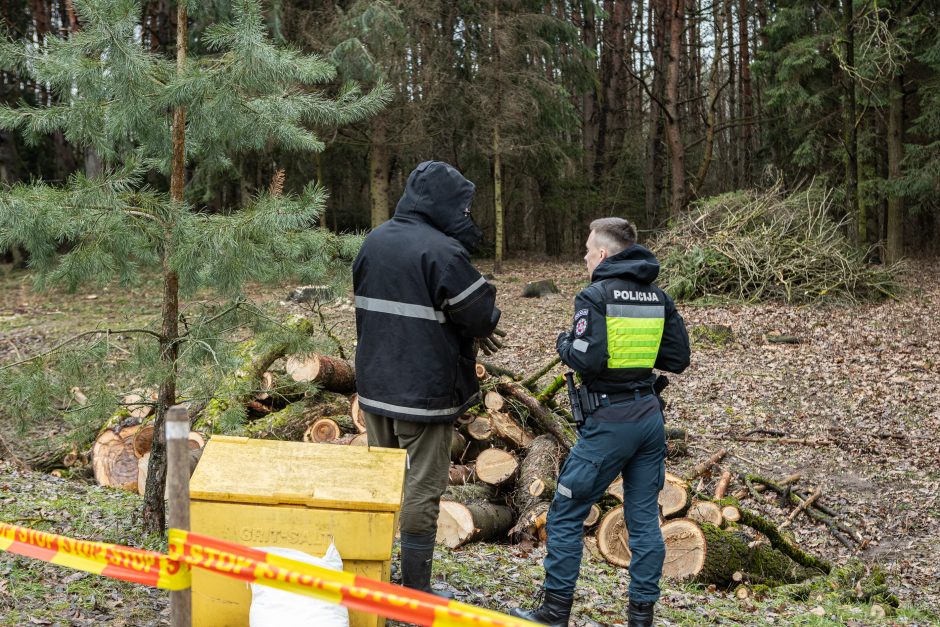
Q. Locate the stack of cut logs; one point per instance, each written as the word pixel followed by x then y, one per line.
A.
pixel 506 457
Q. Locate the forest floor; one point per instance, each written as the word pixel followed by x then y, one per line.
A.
pixel 862 387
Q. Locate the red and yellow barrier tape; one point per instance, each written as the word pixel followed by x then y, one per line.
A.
pixel 186 550
pixel 111 560
pixel 355 592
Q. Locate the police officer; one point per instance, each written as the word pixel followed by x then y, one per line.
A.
pixel 624 327
pixel 420 304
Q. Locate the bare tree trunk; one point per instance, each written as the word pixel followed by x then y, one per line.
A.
pixel 747 107
pixel 732 102
pixel 854 210
pixel 589 98
pixel 673 122
pixel 653 172
pixel 379 171
pixel 498 200
pixel 154 510
pixel 895 227
pixel 714 87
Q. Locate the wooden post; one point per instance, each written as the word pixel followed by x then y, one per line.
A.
pixel 177 484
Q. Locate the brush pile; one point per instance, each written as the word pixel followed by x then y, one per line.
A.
pixel 770 245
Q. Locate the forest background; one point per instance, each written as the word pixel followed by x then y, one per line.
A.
pixel 561 112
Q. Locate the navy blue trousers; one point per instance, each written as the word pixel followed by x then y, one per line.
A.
pixel 625 438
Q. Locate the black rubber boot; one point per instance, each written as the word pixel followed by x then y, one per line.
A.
pixel 417 556
pixel 640 614
pixel 554 610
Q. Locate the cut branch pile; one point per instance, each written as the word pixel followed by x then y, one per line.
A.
pixel 759 246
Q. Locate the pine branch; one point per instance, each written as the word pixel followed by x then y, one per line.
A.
pixel 75 338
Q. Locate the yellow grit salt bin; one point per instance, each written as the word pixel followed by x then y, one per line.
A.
pixel 265 493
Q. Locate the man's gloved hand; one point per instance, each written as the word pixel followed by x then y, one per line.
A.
pixel 489 345
pixel 564 336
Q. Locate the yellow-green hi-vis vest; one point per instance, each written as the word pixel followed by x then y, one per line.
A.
pixel 634 333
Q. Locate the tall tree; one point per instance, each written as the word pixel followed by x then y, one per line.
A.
pixel 143 113
pixel 679 196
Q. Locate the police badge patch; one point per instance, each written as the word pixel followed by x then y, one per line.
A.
pixel 580 327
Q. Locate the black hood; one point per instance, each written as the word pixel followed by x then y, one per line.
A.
pixel 636 263
pixel 440 195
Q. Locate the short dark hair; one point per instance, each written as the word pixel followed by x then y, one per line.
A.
pixel 616 234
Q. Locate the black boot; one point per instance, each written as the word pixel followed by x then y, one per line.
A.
pixel 641 614
pixel 554 610
pixel 417 555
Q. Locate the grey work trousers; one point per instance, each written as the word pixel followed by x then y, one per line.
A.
pixel 428 446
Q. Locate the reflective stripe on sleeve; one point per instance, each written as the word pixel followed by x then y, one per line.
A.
pixel 450 302
pixel 399 309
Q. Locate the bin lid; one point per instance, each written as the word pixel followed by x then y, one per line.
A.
pixel 244 470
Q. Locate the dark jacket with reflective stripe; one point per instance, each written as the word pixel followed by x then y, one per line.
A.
pixel 622 286
pixel 420 303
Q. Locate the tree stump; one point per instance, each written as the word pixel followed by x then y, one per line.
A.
pixel 114 460
pixel 537 289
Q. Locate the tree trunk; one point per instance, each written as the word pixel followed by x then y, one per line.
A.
pixel 747 107
pixel 714 89
pixel 673 122
pixel 853 209
pixel 542 421
pixel 154 511
pixel 895 139
pixel 379 170
pixel 498 202
pixel 653 166
pixel 733 144
pixel 589 98
pixel 466 516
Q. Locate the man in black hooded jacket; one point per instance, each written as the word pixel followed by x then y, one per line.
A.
pixel 624 327
pixel 420 305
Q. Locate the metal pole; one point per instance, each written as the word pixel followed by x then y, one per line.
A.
pixel 177 487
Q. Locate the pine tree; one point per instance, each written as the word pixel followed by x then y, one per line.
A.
pixel 151 120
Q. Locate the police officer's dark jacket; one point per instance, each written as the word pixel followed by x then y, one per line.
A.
pixel 420 302
pixel 624 326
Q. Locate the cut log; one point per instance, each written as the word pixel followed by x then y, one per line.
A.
pixel 322 430
pixel 530 523
pixel 494 400
pixel 723 484
pixel 593 516
pixel 496 466
pixel 356 412
pixel 540 420
pixel 480 429
pixel 701 469
pixel 113 458
pixel 470 492
pixel 705 511
pixel 537 289
pixel 143 440
pixel 459 474
pixel 731 513
pixel 459 523
pixel 674 497
pixel 291 422
pixel 267 384
pixel 360 440
pixel 332 373
pixel 344 440
pixel 138 406
pixel 508 429
pixel 313 294
pixel 465 419
pixel 481 372
pixel 458 446
pixel 538 473
pixel 615 489
pixel 712 555
pixel 613 539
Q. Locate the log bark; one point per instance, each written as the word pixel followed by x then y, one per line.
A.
pixel 537 289
pixel 531 523
pixel 458 447
pixel 538 473
pixel 291 422
pixel 479 521
pixel 701 469
pixel 540 419
pixel 332 373
pixel 723 484
pixel 496 467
